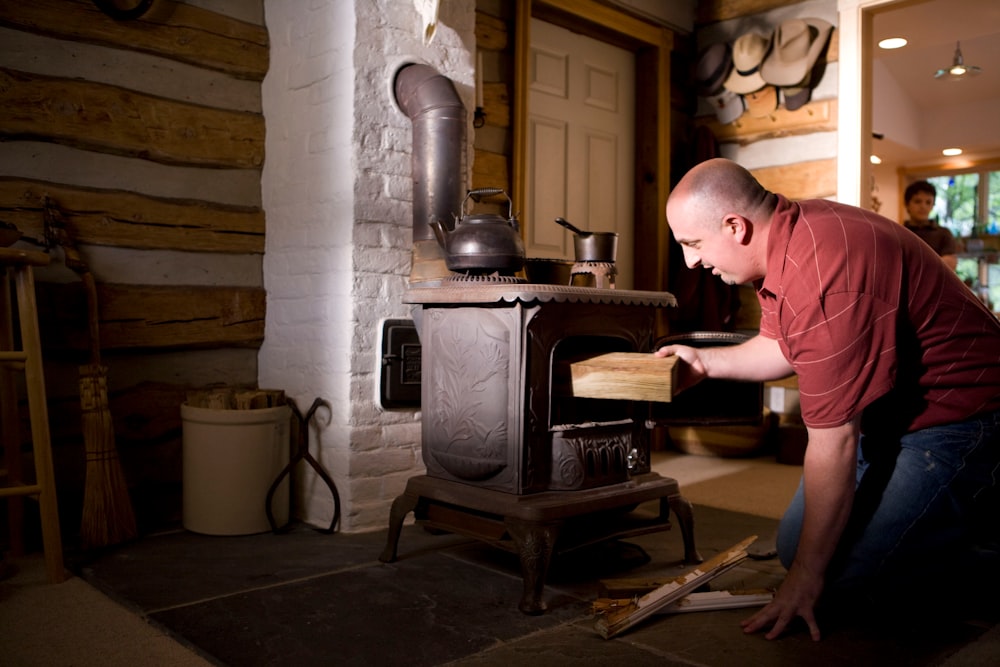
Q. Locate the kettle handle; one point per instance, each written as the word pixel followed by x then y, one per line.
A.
pixel 481 193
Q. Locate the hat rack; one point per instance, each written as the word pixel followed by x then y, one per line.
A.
pixel 747 81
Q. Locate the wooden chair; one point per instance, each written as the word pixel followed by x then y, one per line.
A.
pixel 18 264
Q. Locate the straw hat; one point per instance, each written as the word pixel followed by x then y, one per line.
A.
pixel 797 45
pixel 749 51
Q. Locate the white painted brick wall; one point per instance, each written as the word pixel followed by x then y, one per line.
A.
pixel 336 191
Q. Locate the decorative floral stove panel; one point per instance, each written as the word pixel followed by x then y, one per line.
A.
pixel 498 410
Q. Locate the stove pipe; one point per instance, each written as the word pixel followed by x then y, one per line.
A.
pixel 430 100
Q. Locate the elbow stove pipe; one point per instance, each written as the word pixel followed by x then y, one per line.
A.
pixel 430 100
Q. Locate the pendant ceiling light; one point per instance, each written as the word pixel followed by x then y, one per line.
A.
pixel 958 69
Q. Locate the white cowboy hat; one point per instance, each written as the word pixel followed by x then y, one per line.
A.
pixel 797 45
pixel 748 55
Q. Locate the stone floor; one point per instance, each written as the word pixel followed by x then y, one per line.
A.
pixel 308 598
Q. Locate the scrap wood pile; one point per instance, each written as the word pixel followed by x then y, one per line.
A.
pixel 235 398
pixel 616 615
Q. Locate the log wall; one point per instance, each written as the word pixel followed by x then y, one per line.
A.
pixel 149 136
pixel 791 152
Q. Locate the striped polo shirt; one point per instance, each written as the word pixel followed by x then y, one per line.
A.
pixel 872 320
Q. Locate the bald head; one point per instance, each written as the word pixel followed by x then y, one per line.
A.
pixel 716 188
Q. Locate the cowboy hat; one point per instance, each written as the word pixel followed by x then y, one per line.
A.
pixel 712 69
pixel 796 98
pixel 797 45
pixel 748 54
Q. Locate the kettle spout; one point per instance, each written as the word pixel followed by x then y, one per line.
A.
pixel 440 232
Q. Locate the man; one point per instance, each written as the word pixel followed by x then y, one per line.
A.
pixel 919 199
pixel 898 367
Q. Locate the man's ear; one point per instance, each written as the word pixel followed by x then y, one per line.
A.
pixel 738 227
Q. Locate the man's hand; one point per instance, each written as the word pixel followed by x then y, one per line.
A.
pixel 796 597
pixel 829 477
pixel 689 373
pixel 757 360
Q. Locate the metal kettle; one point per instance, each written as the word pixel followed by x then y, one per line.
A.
pixel 484 242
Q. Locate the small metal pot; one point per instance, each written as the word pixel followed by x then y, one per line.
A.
pixel 592 246
pixel 596 246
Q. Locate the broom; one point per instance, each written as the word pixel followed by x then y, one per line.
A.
pixel 107 509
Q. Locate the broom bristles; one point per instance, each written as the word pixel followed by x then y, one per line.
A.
pixel 107 509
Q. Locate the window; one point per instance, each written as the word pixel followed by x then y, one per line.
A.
pixel 968 199
pixel 968 204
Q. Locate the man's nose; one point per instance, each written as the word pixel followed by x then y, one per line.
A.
pixel 691 259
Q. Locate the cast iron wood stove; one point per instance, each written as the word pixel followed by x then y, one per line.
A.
pixel 512 457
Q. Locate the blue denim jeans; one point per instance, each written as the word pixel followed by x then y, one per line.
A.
pixel 922 504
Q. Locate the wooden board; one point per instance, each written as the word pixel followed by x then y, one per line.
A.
pixel 706 601
pixel 620 619
pixel 631 376
pixel 818 116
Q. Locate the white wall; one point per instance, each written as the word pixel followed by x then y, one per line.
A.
pixel 336 189
pixel 896 115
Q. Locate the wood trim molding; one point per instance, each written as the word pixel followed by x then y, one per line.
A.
pixel 607 17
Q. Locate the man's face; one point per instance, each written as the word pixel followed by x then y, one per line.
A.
pixel 715 248
pixel 920 206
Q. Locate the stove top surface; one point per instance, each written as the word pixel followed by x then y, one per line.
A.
pixel 487 293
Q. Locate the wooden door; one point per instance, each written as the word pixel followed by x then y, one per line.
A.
pixel 580 143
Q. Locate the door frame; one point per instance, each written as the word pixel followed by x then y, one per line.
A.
pixel 651 45
pixel 854 97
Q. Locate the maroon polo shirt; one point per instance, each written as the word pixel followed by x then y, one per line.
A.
pixel 873 321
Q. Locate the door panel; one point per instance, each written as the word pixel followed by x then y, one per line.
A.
pixel 580 155
pixel 547 172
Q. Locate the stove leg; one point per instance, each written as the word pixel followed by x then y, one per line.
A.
pixel 685 517
pixel 535 543
pixel 401 506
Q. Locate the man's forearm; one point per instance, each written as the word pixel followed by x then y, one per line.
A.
pixel 829 475
pixel 757 360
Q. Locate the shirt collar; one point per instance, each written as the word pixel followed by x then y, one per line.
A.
pixel 782 222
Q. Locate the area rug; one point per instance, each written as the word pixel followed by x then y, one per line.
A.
pixel 757 490
pixel 757 486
